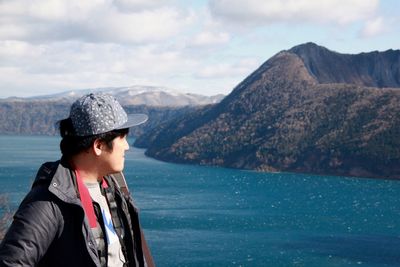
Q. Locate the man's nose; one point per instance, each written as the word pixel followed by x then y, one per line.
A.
pixel 126 144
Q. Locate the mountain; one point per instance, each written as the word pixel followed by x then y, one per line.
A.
pixel 133 95
pixel 298 112
pixel 38 115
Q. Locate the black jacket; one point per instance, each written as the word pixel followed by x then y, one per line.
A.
pixel 50 228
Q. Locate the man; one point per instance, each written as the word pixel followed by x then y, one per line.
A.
pixel 76 213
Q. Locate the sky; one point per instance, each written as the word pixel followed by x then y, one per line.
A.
pixel 203 47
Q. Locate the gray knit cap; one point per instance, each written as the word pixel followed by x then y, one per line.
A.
pixel 98 113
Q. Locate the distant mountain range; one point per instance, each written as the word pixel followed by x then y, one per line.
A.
pixel 307 109
pixel 38 115
pixel 133 95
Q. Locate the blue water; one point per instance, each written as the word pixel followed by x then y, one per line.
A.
pixel 205 216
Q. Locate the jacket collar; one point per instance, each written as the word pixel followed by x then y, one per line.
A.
pixel 60 179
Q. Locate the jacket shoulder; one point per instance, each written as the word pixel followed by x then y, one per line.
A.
pixel 46 173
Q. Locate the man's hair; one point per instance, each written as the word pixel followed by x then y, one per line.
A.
pixel 71 144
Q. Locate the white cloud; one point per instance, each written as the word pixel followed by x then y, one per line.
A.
pixel 63 65
pixel 48 10
pixel 227 70
pixel 142 27
pixel 373 27
pixel 275 11
pixel 139 5
pixel 89 20
pixel 207 38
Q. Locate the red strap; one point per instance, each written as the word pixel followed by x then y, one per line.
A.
pixel 104 183
pixel 86 201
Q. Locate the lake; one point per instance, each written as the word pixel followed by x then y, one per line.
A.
pixel 208 216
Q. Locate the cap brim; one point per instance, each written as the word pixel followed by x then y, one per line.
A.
pixel 134 120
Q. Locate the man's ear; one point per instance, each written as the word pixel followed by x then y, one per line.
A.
pixel 97 147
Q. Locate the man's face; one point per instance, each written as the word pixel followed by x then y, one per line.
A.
pixel 113 160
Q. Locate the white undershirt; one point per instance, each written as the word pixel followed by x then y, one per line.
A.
pixel 115 255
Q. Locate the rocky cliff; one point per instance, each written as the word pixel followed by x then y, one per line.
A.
pixel 374 69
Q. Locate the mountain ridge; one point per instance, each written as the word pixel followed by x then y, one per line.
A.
pixel 368 69
pixel 39 114
pixel 132 95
